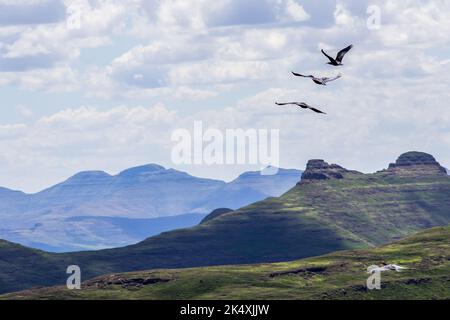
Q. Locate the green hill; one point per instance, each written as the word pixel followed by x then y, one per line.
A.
pixel 331 209
pixel 340 275
pixel 22 268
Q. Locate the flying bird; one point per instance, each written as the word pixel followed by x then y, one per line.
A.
pixel 321 81
pixel 301 105
pixel 339 57
pixel 394 267
pixel 386 267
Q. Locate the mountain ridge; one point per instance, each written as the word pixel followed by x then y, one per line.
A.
pixel 140 193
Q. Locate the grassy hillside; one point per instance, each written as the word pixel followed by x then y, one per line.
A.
pixel 340 275
pixel 22 268
pixel 331 209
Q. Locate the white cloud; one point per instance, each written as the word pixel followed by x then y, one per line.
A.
pixel 198 15
pixel 415 23
pixel 295 11
pixel 60 79
pixel 46 46
pixel 228 38
pixel 11 131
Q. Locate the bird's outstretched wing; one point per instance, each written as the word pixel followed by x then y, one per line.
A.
pixel 326 55
pixel 326 80
pixel 398 268
pixel 301 75
pixel 316 110
pixel 298 104
pixel 342 53
pixel 301 105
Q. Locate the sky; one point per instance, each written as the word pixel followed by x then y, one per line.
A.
pixel 102 85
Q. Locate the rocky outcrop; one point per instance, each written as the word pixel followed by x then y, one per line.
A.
pixel 417 163
pixel 321 170
pixel 304 271
pixel 415 158
pixel 124 282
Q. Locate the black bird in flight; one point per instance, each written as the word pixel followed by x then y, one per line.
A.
pixel 320 81
pixel 301 105
pixel 339 57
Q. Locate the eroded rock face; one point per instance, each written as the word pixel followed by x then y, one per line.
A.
pixel 321 170
pixel 417 163
pixel 415 158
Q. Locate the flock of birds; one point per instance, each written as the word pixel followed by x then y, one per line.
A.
pixel 320 81
pixel 323 82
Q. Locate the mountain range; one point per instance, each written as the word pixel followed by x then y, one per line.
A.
pixel 330 209
pixel 96 210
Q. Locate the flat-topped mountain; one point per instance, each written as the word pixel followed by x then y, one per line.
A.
pixel 416 163
pixel 415 158
pixel 346 211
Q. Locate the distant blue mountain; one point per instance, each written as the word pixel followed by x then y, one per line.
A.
pixel 149 191
pixel 93 210
pixel 122 231
pixel 12 201
pixel 251 187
